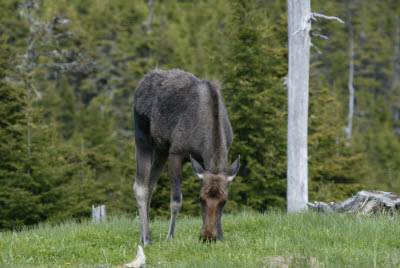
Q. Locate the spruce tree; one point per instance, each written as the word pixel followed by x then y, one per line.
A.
pixel 13 192
pixel 256 101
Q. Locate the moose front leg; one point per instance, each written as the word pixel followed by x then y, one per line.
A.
pixel 175 177
pixel 220 233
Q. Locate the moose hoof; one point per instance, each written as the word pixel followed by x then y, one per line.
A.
pixel 169 238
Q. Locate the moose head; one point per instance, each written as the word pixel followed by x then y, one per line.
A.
pixel 213 197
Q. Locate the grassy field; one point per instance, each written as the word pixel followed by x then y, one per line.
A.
pixel 273 239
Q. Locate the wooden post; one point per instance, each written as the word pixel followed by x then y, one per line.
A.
pixel 98 213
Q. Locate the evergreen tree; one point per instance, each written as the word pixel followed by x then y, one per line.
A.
pixel 256 102
pixel 12 150
pixel 335 169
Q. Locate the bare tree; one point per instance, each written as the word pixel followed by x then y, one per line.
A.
pixel 299 25
pixel 349 129
pixel 147 24
pixel 28 60
pixel 299 33
pixel 396 59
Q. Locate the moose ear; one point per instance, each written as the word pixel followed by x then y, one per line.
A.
pixel 233 169
pixel 198 169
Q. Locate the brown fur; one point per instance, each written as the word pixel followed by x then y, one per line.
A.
pixel 213 196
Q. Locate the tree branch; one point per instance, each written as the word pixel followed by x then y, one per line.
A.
pixel 314 15
pixel 318 35
pixel 316 48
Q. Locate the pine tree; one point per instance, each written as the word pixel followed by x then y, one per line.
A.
pixel 13 193
pixel 335 169
pixel 256 101
pixel 12 150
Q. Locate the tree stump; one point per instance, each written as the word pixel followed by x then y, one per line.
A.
pixel 364 202
pixel 99 213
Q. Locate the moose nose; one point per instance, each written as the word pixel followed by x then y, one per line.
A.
pixel 208 236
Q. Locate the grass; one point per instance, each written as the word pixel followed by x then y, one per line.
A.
pixel 251 240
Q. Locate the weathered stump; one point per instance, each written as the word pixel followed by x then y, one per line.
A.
pixel 99 213
pixel 364 202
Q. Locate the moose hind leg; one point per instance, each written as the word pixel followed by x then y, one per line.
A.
pixel 158 161
pixel 175 176
pixel 141 190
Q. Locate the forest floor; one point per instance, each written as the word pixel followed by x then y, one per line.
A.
pixel 272 239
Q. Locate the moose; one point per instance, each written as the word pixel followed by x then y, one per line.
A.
pixel 183 118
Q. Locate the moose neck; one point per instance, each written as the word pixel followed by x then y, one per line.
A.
pixel 216 161
pixel 215 155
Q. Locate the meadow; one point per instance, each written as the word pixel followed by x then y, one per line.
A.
pixel 272 239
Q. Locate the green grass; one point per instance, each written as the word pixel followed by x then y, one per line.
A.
pixel 251 240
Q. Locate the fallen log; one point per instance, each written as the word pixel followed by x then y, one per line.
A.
pixel 364 202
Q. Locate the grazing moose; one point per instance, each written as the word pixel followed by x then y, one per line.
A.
pixel 182 117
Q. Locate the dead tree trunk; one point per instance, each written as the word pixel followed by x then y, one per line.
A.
pixel 396 58
pixel 147 24
pixel 349 129
pixel 299 33
pixel 299 25
pixel 364 202
pixel 26 67
pixel 396 69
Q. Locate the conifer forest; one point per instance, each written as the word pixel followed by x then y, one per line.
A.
pixel 69 69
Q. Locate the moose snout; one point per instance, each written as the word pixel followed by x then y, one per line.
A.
pixel 208 235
